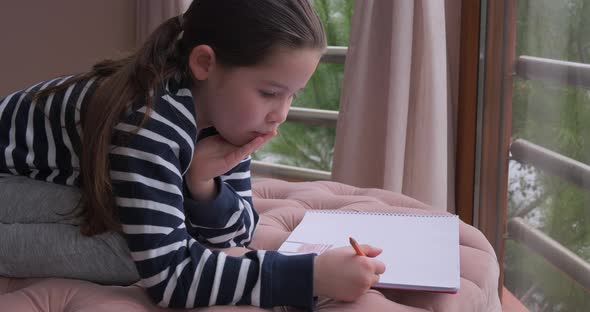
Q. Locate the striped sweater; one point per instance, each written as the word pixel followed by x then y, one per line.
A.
pixel 166 230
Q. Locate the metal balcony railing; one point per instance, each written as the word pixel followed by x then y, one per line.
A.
pixel 555 253
pixel 551 162
pixel 312 116
pixel 289 173
pixel 566 73
pixel 543 69
pixel 334 55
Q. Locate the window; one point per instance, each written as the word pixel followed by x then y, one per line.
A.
pixel 531 190
pixel 548 246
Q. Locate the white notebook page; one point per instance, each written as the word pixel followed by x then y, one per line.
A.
pixel 420 252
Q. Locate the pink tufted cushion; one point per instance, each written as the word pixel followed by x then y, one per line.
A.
pixel 281 206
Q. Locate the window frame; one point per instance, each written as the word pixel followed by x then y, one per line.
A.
pixel 488 38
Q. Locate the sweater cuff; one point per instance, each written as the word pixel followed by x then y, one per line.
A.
pixel 290 281
pixel 223 204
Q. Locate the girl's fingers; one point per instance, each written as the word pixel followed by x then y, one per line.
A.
pixel 256 143
pixel 270 135
pixel 248 148
pixel 252 146
pixel 379 267
pixel 243 151
pixel 371 251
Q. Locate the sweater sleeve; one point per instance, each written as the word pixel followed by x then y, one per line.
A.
pixel 229 219
pixel 175 269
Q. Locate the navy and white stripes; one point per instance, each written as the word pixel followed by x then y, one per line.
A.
pixel 34 142
pixel 167 232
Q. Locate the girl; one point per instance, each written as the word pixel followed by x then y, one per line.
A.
pixel 158 144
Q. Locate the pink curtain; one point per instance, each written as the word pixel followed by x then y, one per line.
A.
pixel 396 128
pixel 151 13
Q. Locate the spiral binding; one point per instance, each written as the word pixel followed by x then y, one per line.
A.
pixel 375 213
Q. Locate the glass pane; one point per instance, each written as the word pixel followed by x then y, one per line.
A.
pixel 554 116
pixel 307 146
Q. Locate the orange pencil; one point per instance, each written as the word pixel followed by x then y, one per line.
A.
pixel 356 247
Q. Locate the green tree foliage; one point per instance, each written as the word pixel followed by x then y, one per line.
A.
pixel 313 146
pixel 556 117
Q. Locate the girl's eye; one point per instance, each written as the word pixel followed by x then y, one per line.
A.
pixel 268 94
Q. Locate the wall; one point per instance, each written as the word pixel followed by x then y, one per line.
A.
pixel 44 39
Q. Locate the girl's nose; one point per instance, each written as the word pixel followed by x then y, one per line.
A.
pixel 279 115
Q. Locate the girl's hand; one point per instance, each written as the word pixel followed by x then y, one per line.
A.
pixel 215 156
pixel 343 275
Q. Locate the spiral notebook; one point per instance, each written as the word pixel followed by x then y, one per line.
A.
pixel 420 252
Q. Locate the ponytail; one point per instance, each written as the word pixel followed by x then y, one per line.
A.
pixel 121 83
pixel 241 33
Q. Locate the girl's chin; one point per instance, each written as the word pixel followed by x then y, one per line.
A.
pixel 242 140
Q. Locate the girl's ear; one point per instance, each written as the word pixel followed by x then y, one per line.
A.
pixel 201 61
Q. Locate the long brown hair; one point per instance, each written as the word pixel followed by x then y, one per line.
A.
pixel 240 32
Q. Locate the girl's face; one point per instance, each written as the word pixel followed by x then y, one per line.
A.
pixel 245 102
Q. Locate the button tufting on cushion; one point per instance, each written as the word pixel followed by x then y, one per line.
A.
pixel 281 206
